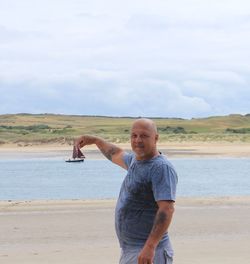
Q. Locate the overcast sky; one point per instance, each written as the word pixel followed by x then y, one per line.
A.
pixel 178 58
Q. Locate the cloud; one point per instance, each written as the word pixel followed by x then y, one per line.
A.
pixel 179 58
pixel 219 76
pixel 86 96
pixel 8 35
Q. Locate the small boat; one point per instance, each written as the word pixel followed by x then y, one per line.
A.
pixel 75 160
pixel 77 156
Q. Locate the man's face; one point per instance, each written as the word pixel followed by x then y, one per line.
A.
pixel 143 140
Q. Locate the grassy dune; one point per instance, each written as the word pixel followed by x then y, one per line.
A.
pixel 28 129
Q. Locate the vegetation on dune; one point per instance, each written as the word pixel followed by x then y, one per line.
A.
pixel 238 131
pixel 28 129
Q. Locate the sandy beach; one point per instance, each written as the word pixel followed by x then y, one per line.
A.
pixel 204 231
pixel 171 149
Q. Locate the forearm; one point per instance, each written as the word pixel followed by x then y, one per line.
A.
pixel 109 150
pixel 162 222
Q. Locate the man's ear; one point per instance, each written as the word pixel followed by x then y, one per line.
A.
pixel 156 137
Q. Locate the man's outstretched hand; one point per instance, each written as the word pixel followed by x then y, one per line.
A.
pixel 84 140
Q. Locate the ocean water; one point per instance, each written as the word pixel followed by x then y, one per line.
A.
pixel 33 179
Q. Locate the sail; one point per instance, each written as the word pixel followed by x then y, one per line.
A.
pixel 77 153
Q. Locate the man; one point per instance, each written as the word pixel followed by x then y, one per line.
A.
pixel 145 205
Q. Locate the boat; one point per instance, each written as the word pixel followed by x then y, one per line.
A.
pixel 75 160
pixel 77 155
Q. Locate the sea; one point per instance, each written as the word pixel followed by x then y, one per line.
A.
pixel 55 179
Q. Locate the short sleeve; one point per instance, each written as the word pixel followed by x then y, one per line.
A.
pixel 164 182
pixel 127 158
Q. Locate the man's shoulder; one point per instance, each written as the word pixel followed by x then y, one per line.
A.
pixel 163 161
pixel 128 158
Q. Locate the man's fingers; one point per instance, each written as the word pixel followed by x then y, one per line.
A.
pixel 144 261
pixel 79 142
pixel 84 140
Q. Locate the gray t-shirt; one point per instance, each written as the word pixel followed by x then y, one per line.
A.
pixel 145 183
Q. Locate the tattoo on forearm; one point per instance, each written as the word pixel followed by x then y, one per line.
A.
pixel 108 153
pixel 160 220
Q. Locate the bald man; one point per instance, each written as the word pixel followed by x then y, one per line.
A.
pixel 145 205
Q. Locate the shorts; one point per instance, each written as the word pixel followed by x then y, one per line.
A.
pixel 130 256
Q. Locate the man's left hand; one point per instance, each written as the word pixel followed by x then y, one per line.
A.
pixel 146 255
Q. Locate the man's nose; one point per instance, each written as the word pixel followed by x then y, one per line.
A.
pixel 138 139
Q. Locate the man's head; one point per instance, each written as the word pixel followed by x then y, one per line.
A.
pixel 144 137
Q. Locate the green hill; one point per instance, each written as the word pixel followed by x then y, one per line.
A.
pixel 27 129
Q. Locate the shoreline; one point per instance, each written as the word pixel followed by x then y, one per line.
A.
pixel 172 150
pixel 180 201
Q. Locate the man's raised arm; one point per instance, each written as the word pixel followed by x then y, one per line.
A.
pixel 109 150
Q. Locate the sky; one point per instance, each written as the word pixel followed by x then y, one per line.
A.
pixel 179 58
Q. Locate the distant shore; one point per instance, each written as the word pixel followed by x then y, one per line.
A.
pixel 172 150
pixel 204 230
